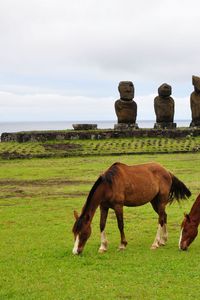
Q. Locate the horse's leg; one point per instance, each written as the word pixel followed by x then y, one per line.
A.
pixel 103 218
pixel 120 221
pixel 161 235
pixel 164 233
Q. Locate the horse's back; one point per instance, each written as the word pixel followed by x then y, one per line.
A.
pixel 138 184
pixel 122 170
pixel 145 168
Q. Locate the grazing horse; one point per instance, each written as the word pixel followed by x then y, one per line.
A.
pixel 189 226
pixel 130 186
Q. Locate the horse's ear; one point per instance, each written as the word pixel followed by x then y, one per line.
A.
pixel 76 215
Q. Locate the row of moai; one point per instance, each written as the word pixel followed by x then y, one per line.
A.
pixel 126 107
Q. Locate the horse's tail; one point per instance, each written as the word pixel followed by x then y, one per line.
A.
pixel 178 190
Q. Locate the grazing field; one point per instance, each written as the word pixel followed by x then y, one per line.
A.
pixel 70 148
pixel 37 199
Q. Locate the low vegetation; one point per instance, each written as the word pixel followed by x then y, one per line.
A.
pixel 69 148
pixel 37 200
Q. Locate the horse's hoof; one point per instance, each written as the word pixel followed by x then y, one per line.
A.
pixel 102 250
pixel 122 248
pixel 154 247
pixel 162 244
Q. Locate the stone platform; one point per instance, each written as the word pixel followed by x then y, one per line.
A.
pixel 42 136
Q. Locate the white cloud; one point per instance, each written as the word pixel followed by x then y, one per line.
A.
pixel 58 49
pixel 55 107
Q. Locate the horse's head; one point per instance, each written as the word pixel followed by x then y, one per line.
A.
pixel 189 231
pixel 81 231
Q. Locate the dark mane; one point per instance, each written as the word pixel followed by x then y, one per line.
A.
pixel 91 193
pixel 106 177
pixel 110 173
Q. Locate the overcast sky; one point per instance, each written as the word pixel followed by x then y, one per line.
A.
pixel 63 60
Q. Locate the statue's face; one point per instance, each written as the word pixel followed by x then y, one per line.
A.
pixel 164 90
pixel 126 90
pixel 196 83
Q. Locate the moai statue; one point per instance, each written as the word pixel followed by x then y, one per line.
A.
pixel 164 108
pixel 126 107
pixel 195 102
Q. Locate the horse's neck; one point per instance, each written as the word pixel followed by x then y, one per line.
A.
pixel 94 203
pixel 195 211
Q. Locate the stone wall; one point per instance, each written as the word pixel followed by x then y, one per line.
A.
pixel 38 136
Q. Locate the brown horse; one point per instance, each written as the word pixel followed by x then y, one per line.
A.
pixel 130 186
pixel 189 226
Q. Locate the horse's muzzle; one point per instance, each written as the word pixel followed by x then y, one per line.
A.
pixel 183 246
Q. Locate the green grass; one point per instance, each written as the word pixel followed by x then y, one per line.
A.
pixel 37 200
pixel 70 148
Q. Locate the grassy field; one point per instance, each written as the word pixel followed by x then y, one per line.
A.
pixel 70 148
pixel 37 200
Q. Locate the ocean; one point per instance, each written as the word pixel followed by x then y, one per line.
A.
pixel 62 125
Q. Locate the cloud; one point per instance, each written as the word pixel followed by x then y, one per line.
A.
pixel 133 37
pixel 56 107
pixel 59 49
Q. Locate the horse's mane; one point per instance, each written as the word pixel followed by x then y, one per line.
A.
pixel 106 177
pixel 79 222
pixel 90 195
pixel 110 173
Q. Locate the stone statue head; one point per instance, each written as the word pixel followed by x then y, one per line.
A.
pixel 196 83
pixel 126 90
pixel 164 90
